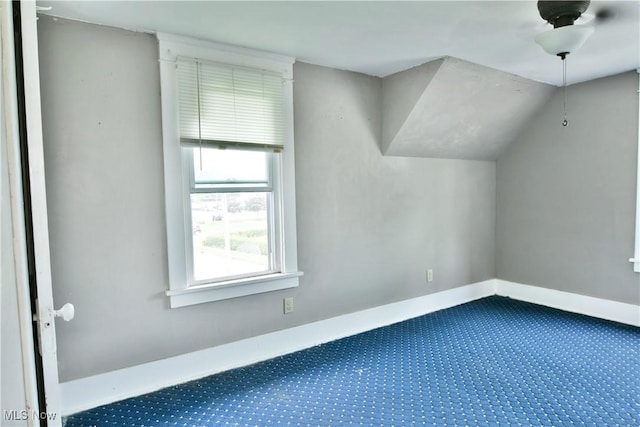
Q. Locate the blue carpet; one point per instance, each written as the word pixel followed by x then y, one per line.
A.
pixel 491 362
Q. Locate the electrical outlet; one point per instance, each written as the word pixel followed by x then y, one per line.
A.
pixel 429 275
pixel 288 305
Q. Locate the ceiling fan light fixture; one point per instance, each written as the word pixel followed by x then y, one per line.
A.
pixel 562 41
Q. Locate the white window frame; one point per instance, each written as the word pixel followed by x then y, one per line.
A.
pixel 636 256
pixel 180 292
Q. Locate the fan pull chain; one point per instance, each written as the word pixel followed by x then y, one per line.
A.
pixel 564 88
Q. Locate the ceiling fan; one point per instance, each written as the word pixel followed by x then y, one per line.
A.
pixel 571 26
pixel 567 36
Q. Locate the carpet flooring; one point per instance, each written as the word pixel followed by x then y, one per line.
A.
pixel 491 362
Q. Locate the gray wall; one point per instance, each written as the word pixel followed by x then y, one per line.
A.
pixel 566 196
pixel 368 226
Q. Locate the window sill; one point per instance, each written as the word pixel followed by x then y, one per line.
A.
pixel 232 289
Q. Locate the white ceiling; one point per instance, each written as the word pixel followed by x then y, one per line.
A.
pixel 383 37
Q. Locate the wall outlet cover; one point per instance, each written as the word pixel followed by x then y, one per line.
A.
pixel 288 305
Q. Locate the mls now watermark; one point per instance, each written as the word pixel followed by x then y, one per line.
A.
pixel 24 415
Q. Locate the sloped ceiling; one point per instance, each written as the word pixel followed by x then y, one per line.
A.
pixel 450 108
pixel 468 108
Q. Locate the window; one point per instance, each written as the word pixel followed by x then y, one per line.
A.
pixel 636 257
pixel 230 209
pixel 229 171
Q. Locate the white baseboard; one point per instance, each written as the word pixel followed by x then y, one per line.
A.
pixel 85 393
pixel 596 307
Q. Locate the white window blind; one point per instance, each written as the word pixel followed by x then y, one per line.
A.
pixel 226 106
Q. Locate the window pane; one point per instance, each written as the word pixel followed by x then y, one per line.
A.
pixel 229 166
pixel 230 234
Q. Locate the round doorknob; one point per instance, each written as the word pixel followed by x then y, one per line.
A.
pixel 67 312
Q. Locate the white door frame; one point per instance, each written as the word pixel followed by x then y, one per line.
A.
pixel 18 239
pixel 39 223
